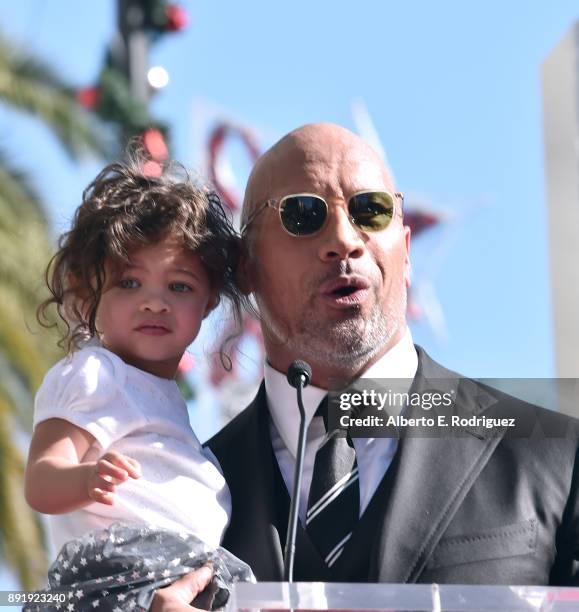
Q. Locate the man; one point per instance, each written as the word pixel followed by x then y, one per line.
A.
pixel 330 282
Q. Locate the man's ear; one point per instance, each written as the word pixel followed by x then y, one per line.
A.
pixel 243 274
pixel 212 302
pixel 407 264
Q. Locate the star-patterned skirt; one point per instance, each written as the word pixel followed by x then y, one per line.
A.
pixel 119 568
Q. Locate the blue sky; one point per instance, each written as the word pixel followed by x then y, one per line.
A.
pixel 453 89
pixel 454 93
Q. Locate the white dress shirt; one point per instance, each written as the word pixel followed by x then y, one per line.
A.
pixel 373 455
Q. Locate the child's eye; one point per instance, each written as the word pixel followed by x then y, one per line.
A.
pixel 129 283
pixel 180 287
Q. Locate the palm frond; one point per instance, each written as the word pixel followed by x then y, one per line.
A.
pixel 20 531
pixel 17 190
pixel 19 346
pixel 25 252
pixel 28 84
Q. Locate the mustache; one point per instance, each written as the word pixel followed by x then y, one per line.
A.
pixel 340 268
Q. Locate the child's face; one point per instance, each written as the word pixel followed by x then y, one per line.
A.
pixel 152 314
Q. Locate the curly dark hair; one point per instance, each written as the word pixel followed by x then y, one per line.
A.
pixel 124 209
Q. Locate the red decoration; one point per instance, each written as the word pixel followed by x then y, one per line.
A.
pixel 152 168
pixel 186 364
pixel 156 149
pixel 216 141
pixel 420 220
pixel 154 143
pixel 88 97
pixel 177 18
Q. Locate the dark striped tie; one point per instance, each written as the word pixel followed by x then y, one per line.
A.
pixel 334 498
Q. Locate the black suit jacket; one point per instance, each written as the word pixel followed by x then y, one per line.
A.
pixel 489 507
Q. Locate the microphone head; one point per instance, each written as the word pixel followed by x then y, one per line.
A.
pixel 299 371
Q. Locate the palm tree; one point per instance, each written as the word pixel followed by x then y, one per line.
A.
pixel 29 85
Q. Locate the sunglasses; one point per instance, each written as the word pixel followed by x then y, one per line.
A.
pixel 305 214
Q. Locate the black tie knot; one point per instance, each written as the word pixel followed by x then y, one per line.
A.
pixel 322 411
pixel 333 427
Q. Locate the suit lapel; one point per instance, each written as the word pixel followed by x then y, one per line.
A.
pixel 248 465
pixel 431 476
pixel 260 500
pixel 272 511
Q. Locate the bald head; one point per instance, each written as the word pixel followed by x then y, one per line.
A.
pixel 293 278
pixel 318 151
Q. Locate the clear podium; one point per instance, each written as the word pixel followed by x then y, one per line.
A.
pixel 281 596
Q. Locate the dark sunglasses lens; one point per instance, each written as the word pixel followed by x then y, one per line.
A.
pixel 302 215
pixel 372 211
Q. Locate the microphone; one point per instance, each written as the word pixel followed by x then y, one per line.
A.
pixel 299 375
pixel 299 372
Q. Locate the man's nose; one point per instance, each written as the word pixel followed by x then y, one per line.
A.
pixel 154 302
pixel 340 238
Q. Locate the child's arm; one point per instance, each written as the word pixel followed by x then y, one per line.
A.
pixel 56 479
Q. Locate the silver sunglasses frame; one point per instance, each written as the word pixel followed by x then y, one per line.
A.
pixel 276 204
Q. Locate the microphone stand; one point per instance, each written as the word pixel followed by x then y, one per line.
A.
pixel 290 542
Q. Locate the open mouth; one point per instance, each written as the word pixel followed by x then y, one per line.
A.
pixel 345 292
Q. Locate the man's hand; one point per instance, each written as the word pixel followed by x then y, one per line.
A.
pixel 176 598
pixel 110 470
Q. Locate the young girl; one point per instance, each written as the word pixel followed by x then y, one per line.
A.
pixel 145 262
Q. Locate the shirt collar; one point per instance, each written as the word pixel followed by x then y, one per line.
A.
pixel 400 362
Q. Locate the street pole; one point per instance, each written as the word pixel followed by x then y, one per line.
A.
pixel 134 43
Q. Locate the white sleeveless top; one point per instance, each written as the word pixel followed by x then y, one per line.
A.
pixel 145 417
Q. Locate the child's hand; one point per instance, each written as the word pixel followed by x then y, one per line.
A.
pixel 110 470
